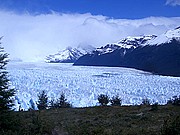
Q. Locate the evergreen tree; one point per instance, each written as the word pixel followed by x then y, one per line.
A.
pixel 43 101
pixel 63 102
pixel 6 94
pixel 60 103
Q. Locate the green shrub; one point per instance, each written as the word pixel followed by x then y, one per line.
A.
pixel 103 99
pixel 9 123
pixel 116 101
pixel 171 126
pixel 145 101
pixel 154 107
pixel 175 100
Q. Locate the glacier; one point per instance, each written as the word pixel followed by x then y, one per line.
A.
pixel 82 84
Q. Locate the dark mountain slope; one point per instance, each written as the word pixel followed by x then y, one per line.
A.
pixel 161 59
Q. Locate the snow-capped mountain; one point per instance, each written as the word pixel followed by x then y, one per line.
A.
pixel 69 55
pixel 66 56
pixel 166 37
pixel 135 41
pixel 126 43
pixel 157 54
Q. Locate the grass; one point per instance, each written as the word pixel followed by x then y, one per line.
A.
pixel 101 120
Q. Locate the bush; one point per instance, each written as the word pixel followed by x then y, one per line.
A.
pixel 154 107
pixel 171 126
pixel 175 100
pixel 103 99
pixel 36 124
pixel 116 101
pixel 145 101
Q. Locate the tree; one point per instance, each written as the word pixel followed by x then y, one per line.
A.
pixel 103 99
pixel 63 102
pixel 116 101
pixel 60 103
pixel 7 120
pixel 42 101
pixel 6 92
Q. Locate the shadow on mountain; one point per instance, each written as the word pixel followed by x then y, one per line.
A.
pixel 161 59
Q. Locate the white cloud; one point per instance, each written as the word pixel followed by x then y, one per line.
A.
pixel 33 37
pixel 173 2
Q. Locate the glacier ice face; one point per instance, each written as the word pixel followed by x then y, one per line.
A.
pixel 82 84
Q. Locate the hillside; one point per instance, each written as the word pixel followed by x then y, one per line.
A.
pixel 122 120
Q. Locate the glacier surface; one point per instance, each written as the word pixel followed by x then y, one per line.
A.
pixel 82 85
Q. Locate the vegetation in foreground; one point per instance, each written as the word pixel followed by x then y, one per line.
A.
pixel 100 120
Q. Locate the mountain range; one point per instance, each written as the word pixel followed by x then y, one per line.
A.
pixel 156 54
pixel 69 55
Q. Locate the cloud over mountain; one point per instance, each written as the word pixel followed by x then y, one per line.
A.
pixel 31 38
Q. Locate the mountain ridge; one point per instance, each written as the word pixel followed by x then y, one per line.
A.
pixel 161 58
pixel 68 55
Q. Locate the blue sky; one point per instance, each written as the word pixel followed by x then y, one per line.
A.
pixel 33 29
pixel 124 9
